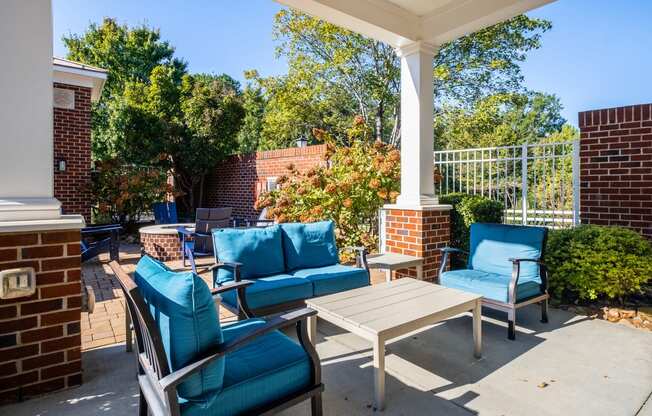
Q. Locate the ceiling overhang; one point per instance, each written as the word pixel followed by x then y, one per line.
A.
pixel 401 22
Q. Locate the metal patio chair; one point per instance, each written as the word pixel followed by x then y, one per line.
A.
pixel 505 267
pixel 199 242
pixel 257 368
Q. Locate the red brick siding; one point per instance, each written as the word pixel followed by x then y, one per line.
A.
pixel 40 335
pixel 163 247
pixel 616 167
pixel 72 143
pixel 237 181
pixel 420 234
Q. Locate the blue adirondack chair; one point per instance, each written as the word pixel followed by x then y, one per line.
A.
pixel 190 364
pixel 165 212
pixel 504 266
pixel 96 239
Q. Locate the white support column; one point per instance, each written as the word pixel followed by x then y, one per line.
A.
pixel 417 142
pixel 26 143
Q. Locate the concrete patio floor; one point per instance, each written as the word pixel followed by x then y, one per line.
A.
pixel 572 366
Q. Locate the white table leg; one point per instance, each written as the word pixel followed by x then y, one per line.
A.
pixel 379 374
pixel 388 275
pixel 477 329
pixel 419 272
pixel 312 329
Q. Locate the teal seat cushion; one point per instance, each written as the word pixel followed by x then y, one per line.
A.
pixel 334 278
pixel 267 369
pixel 492 245
pixel 309 245
pixel 184 312
pixel 272 290
pixel 490 285
pixel 259 250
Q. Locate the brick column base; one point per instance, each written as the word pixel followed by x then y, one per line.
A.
pixel 418 232
pixel 40 339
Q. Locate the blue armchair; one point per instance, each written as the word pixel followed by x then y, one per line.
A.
pixel 287 263
pixel 504 266
pixel 190 365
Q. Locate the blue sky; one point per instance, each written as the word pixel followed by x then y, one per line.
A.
pixel 596 55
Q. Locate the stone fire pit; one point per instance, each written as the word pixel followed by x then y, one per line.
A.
pixel 162 241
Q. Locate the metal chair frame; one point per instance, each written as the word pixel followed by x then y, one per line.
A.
pixel 158 384
pixel 511 305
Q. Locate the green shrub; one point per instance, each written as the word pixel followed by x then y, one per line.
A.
pixel 590 262
pixel 468 209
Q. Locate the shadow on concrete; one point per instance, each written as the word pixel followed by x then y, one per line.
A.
pixel 109 387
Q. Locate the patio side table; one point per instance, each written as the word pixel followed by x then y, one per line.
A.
pixel 395 261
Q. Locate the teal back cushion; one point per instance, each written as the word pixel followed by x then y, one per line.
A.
pixel 183 309
pixel 309 245
pixel 258 249
pixel 492 245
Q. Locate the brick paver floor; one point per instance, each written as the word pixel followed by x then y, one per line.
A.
pixel 106 325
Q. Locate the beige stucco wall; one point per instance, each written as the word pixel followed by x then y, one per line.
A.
pixel 26 99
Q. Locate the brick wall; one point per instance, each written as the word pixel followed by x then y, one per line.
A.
pixel 616 167
pixel 72 143
pixel 237 182
pixel 419 233
pixel 40 339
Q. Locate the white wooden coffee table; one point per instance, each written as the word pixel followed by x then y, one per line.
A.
pixel 388 310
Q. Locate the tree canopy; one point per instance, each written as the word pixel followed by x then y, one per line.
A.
pixel 129 54
pixel 498 120
pixel 154 113
pixel 335 74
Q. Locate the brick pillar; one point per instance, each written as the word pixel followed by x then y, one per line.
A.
pixel 72 143
pixel 418 232
pixel 616 167
pixel 40 340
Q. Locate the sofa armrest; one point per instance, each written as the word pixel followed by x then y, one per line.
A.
pixel 234 266
pixel 360 256
pixel 516 271
pixel 243 307
pixel 444 259
pixel 453 250
pixel 272 323
pixel 231 286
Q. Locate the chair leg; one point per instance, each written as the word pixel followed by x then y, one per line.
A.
pixel 142 405
pixel 315 405
pixel 544 311
pixel 511 321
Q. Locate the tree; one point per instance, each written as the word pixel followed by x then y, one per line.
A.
pixel 130 55
pixel 186 127
pixel 250 135
pixel 501 119
pixel 350 189
pixel 335 74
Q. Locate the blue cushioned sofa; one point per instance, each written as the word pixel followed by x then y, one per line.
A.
pixel 504 266
pixel 288 264
pixel 188 364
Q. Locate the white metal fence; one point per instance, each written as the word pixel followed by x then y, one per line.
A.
pixel 537 183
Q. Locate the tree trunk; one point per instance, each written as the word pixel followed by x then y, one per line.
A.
pixel 201 190
pixel 379 121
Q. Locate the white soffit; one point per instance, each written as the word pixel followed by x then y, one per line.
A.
pixel 74 73
pixel 400 22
